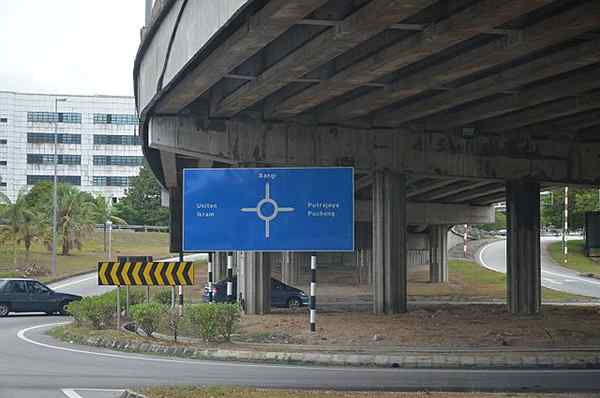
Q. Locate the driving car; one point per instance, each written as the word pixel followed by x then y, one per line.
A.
pixel 29 295
pixel 282 295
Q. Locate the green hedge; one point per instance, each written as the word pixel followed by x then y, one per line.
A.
pixel 96 311
pixel 148 316
pixel 212 321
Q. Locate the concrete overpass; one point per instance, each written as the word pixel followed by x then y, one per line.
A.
pixel 442 106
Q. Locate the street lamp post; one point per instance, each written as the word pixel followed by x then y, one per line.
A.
pixel 55 185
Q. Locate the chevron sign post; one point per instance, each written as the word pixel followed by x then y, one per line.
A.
pixel 146 274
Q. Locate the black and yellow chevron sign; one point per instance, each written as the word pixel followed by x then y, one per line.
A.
pixel 146 274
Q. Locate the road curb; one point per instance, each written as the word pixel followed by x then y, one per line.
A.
pixel 410 359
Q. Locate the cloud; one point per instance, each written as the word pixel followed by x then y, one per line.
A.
pixel 69 46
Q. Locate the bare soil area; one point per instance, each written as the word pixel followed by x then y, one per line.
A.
pixel 431 325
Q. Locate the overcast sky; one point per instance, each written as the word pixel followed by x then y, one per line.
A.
pixel 69 46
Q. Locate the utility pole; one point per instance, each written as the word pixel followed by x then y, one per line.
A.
pixel 55 186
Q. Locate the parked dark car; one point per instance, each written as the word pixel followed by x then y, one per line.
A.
pixel 28 295
pixel 282 295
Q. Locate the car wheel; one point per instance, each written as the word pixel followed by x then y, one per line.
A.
pixel 62 308
pixel 294 303
pixel 4 309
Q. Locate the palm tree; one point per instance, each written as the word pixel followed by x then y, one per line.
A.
pixel 76 217
pixel 21 223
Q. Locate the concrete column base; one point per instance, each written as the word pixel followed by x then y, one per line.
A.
pixel 523 263
pixel 254 282
pixel 389 243
pixel 219 266
pixel 438 253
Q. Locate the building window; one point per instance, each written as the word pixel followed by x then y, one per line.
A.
pixel 101 139
pixel 3 120
pixel 35 158
pixel 53 117
pixel 115 118
pixel 111 181
pixel 48 138
pixel 35 179
pixel 2 184
pixel 2 162
pixel 105 160
pixel 3 142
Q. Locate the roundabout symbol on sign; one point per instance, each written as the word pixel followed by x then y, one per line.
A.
pixel 260 211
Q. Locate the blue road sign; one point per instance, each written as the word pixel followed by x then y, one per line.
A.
pixel 274 209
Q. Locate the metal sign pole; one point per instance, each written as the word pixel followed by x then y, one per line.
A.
pixel 313 295
pixel 566 225
pixel 127 300
pixel 180 288
pixel 230 297
pixel 210 278
pixel 119 307
pixel 147 294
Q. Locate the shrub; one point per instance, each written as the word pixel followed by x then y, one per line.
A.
pixel 147 316
pixel 228 319
pixel 172 321
pixel 163 296
pixel 202 321
pixel 137 295
pixel 210 321
pixel 95 311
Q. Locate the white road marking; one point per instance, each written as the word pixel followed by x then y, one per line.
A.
pixel 21 335
pixel 552 281
pixel 571 277
pixel 70 393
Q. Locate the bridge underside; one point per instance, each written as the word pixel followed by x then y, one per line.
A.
pixel 458 103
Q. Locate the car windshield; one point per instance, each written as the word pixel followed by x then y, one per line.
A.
pixel 2 283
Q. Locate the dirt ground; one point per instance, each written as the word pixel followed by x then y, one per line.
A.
pixel 345 316
pixel 487 325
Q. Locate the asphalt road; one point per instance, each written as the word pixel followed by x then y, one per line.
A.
pixel 493 256
pixel 34 365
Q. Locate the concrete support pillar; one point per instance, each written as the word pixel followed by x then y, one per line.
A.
pixel 254 282
pixel 389 243
pixel 219 266
pixel 523 247
pixel 289 268
pixel 363 265
pixel 438 253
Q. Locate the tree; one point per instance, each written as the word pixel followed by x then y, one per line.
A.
pixel 76 215
pixel 141 204
pixel 580 202
pixel 22 224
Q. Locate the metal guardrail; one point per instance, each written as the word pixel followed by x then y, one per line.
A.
pixel 137 228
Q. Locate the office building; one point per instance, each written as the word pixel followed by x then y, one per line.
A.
pixel 98 146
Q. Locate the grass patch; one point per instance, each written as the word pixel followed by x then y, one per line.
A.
pixel 471 282
pixel 79 334
pixel 576 259
pixel 123 243
pixel 235 392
